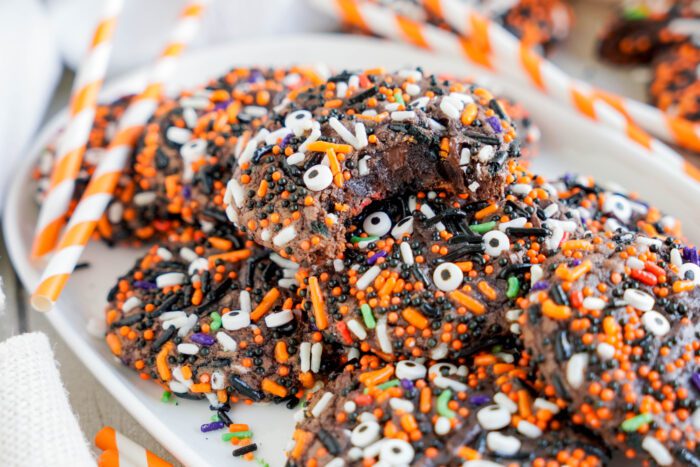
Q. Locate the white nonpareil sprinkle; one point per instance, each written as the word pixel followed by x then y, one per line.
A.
pixel 171 315
pixel 130 304
pixel 178 135
pixel 349 406
pixel 338 265
pixel 605 351
pixel 695 419
pixel 187 326
pixel 226 342
pixel 356 328
pixel 529 429
pixel 536 273
pixel 401 404
pixel 144 198
pixel 403 115
pixel 115 212
pixel 493 417
pixel 383 336
pixel 336 462
pixel 189 115
pixel 442 426
pixel 305 356
pixel 244 299
pixel 275 320
pixel 657 450
pixel 363 167
pixel 188 254
pixel 517 222
pixel 164 254
pixel 188 348
pixel 635 263
pixel 236 191
pixel 412 89
pixel 368 277
pixel 296 159
pixel 676 258
pixel 449 109
pixel 593 303
pixel 316 354
pixel 170 279
pixel 406 253
pixel 439 352
pixel 544 404
pixel 502 444
pixel 322 404
pixel 576 369
pixel 504 401
pixel 486 153
pixel 284 236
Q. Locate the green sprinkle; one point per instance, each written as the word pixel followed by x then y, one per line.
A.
pixel 442 401
pixel 370 239
pixel 367 315
pixel 399 97
pixel 215 321
pixel 236 434
pixel 482 228
pixel 634 423
pixel 166 396
pixel 215 418
pixel 389 384
pixel 262 462
pixel 513 287
pixel 635 14
pixel 496 348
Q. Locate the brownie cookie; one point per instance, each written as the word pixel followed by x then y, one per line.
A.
pixel 483 413
pixel 360 137
pixel 641 32
pixel 614 329
pixel 185 158
pixel 676 84
pixel 215 316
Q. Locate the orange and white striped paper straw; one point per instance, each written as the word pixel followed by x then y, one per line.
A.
pixel 122 451
pixel 488 45
pixel 71 144
pixel 101 187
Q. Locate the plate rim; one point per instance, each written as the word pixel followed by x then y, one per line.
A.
pixel 29 276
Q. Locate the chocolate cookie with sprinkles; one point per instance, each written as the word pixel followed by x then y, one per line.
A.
pixel 643 30
pixel 676 83
pixel 214 316
pixel 483 413
pixel 185 158
pixel 614 329
pixel 360 137
pixel 436 275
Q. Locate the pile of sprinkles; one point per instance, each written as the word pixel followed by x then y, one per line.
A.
pixel 372 247
pixel 480 413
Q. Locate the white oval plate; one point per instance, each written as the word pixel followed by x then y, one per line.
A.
pixel 570 143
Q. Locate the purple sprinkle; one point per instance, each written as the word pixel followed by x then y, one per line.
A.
pixel 690 255
pixel 540 285
pixel 495 124
pixel 222 105
pixel 696 380
pixel 202 339
pixel 479 400
pixel 407 384
pixel 373 259
pixel 286 140
pixel 186 192
pixel 575 262
pixel 254 76
pixel 145 285
pixel 212 426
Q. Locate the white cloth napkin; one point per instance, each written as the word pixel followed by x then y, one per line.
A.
pixel 38 427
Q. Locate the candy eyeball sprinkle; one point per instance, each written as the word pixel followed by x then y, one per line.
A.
pixel 396 452
pixel 365 433
pixel 378 223
pixel 495 242
pixel 690 272
pixel 318 177
pixel 411 370
pixel 447 277
pixel 656 323
pixel 619 207
pixel 402 228
pixel 299 121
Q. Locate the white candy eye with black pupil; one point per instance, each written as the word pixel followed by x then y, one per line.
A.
pixel 410 370
pixel 396 452
pixel 495 242
pixel 318 177
pixel 447 277
pixel 619 207
pixel 298 121
pixel 365 433
pixel 690 272
pixel 378 223
pixel 402 228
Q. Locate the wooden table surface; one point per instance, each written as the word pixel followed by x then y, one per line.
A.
pixel 94 406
